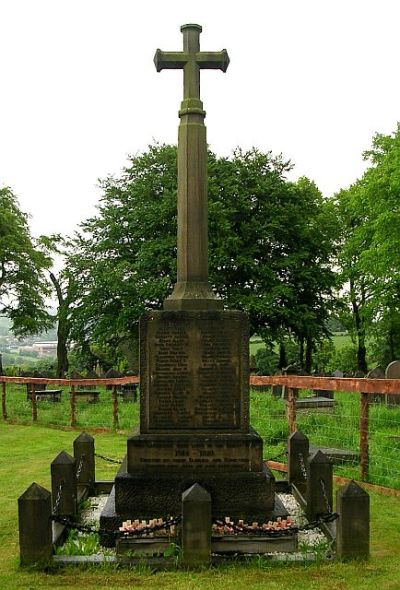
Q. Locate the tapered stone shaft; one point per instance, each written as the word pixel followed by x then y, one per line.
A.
pixel 192 290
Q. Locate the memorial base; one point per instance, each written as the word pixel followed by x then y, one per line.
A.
pixel 240 495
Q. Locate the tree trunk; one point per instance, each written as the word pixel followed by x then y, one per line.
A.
pixel 309 351
pixel 282 356
pixel 301 352
pixel 360 329
pixel 62 330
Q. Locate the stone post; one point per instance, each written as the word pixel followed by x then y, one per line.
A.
pixel 35 526
pixel 196 526
pixel 319 486
pixel 352 528
pixel 298 450
pixel 63 471
pixel 84 457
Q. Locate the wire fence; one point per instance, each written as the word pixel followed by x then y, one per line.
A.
pixel 355 421
pixel 357 425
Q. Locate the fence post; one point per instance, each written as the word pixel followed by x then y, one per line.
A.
pixel 3 400
pixel 115 407
pixel 63 484
pixel 35 526
pixel 352 528
pixel 34 404
pixel 196 526
pixel 73 406
pixel 291 405
pixel 298 450
pixel 364 423
pixel 84 458
pixel 319 486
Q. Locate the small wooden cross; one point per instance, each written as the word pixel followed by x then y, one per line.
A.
pixel 191 60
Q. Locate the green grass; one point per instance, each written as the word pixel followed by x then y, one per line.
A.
pixel 25 454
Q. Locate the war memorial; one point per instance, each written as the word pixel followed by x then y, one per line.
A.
pixel 195 456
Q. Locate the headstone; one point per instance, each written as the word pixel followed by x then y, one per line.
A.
pixel 289 370
pixel 323 393
pixel 393 372
pixel 377 373
pixel 338 374
pixel 194 358
pixel 352 527
pixel 277 390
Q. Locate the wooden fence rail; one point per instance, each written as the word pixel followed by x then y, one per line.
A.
pixel 361 386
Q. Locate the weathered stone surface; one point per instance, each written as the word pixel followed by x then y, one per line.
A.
pixel 196 526
pixel 84 456
pixel 319 486
pixel 298 451
pixel 63 471
pixel 352 527
pixel 194 371
pixel 35 529
pixel 224 452
pixel 150 494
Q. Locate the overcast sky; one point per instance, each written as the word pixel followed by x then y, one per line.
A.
pixel 79 91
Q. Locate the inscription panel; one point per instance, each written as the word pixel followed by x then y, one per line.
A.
pixel 236 455
pixel 195 374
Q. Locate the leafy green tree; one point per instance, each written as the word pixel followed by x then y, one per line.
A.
pixel 23 283
pixel 268 247
pixel 370 215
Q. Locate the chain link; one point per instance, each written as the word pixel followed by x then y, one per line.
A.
pixel 83 528
pixel 108 459
pixel 323 488
pixel 303 466
pixel 56 508
pixel 79 469
pixel 244 529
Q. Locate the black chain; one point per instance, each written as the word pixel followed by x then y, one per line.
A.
pixel 81 462
pixel 303 466
pixel 56 508
pixel 108 459
pixel 323 488
pixel 84 528
pixel 248 530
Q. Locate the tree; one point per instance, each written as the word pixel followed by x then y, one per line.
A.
pixel 265 236
pixel 370 215
pixel 23 284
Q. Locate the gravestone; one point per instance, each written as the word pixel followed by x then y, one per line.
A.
pixel 377 373
pixel 393 372
pixel 194 358
pixel 338 374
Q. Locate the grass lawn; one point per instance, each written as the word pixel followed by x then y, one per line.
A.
pixel 25 455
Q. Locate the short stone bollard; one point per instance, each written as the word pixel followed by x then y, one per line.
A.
pixel 298 449
pixel 352 527
pixel 319 486
pixel 196 527
pixel 85 461
pixel 63 485
pixel 35 526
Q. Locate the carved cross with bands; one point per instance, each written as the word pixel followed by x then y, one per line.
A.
pixel 191 60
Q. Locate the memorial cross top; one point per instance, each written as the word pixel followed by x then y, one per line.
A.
pixel 192 289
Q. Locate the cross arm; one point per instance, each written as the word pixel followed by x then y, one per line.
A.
pixel 169 60
pixel 213 60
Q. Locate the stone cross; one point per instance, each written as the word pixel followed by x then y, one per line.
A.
pixel 192 289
